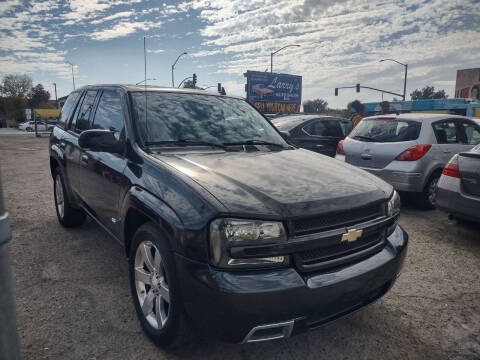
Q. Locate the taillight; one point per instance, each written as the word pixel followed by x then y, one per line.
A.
pixel 451 169
pixel 340 148
pixel 414 153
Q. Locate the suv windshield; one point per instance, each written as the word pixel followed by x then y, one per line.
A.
pixel 193 119
pixel 386 130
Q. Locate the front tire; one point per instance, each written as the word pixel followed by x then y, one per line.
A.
pixel 67 215
pixel 155 288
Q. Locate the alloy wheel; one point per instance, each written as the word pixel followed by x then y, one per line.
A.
pixel 151 283
pixel 59 196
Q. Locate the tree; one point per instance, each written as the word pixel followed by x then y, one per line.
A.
pixel 315 106
pixel 189 84
pixel 16 85
pixel 428 92
pixel 38 96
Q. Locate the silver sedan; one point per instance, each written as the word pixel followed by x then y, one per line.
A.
pixel 459 186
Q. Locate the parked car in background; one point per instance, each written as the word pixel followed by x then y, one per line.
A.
pixel 226 226
pixel 459 186
pixel 317 133
pixel 409 150
pixel 30 126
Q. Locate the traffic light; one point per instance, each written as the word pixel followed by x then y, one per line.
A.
pixel 358 87
pixel 194 80
pixel 336 91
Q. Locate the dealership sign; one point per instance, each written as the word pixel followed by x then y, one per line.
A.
pixel 272 92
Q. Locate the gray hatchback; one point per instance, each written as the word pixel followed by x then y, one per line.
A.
pixel 409 150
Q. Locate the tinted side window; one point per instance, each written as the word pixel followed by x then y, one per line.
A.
pixel 470 133
pixel 325 128
pixel 446 132
pixel 85 111
pixel 109 114
pixel 67 108
pixel 73 120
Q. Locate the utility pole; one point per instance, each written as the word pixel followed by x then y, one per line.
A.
pixel 73 75
pixel 56 99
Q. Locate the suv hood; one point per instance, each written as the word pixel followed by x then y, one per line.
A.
pixel 289 183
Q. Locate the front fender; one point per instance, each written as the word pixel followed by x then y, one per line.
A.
pixel 157 211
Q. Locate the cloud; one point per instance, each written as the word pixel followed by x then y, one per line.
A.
pixel 123 29
pixel 155 51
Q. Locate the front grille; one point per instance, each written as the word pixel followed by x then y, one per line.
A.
pixel 335 252
pixel 336 219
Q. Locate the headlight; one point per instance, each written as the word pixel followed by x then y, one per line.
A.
pixel 228 233
pixel 393 210
pixel 394 205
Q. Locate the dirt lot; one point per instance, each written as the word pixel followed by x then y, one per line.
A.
pixel 73 298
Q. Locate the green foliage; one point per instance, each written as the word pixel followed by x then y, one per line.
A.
pixel 315 106
pixel 38 95
pixel 428 92
pixel 16 85
pixel 189 84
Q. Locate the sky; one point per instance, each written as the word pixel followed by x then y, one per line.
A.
pixel 341 42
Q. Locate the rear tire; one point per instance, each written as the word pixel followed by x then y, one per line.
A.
pixel 155 288
pixel 67 215
pixel 428 199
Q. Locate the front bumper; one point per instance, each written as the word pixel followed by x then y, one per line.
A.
pixel 452 199
pixel 228 305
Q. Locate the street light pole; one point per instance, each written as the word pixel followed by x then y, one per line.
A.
pixel 73 75
pixel 273 53
pixel 56 99
pixel 138 83
pixel 405 79
pixel 173 66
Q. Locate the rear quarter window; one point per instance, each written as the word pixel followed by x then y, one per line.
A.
pixel 386 130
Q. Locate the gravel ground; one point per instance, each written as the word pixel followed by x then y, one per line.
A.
pixel 73 298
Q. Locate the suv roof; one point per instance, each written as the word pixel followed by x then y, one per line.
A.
pixel 131 87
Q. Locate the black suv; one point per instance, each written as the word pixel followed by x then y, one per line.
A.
pixel 227 228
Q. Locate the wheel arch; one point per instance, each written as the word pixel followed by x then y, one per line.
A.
pixel 437 170
pixel 140 207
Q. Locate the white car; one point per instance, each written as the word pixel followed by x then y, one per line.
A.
pixel 30 126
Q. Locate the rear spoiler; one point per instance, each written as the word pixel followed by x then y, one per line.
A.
pixel 470 154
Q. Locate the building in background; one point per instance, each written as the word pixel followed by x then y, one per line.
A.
pixel 468 84
pixel 274 93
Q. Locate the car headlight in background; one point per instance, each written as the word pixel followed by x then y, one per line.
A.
pixel 393 211
pixel 228 233
pixel 394 205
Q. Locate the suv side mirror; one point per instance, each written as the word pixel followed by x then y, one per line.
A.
pixel 100 140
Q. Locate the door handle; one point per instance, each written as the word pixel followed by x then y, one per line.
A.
pixel 84 159
pixel 62 145
pixel 366 156
pixel 446 151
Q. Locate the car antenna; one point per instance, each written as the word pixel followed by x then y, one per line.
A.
pixel 145 82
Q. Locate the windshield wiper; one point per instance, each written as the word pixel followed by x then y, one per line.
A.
pixel 184 142
pixel 368 138
pixel 253 142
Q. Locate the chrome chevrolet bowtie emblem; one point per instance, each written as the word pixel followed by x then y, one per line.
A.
pixel 352 235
